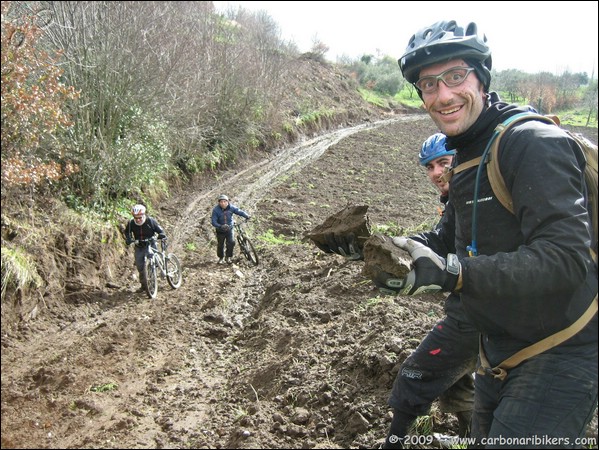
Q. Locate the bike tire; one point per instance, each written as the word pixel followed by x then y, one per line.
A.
pixel 174 276
pixel 151 278
pixel 250 252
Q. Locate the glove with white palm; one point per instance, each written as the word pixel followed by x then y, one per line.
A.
pixel 430 272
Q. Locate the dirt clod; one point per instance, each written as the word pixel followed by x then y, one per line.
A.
pixel 381 255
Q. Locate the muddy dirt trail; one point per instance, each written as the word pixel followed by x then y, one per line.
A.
pixel 298 352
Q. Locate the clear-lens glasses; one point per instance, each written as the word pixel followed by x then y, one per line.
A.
pixel 451 77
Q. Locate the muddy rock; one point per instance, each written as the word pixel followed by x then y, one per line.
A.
pixel 381 255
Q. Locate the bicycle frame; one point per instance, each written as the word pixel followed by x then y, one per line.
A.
pixel 245 245
pixel 163 263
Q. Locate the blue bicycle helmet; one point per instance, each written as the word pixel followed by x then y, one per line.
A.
pixel 442 42
pixel 433 148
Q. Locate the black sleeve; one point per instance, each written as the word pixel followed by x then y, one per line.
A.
pixel 157 228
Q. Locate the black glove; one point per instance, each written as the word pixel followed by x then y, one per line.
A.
pixel 129 241
pixel 387 283
pixel 248 218
pixel 224 228
pixel 344 245
pixel 430 273
pixel 162 237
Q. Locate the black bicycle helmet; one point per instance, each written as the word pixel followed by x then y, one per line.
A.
pixel 443 41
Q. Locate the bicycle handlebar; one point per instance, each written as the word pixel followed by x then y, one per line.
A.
pixel 149 240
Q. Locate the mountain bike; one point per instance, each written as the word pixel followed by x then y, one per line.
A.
pixel 163 263
pixel 245 244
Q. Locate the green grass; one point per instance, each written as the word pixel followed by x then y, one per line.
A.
pixel 408 98
pixel 107 387
pixel 18 270
pixel 577 118
pixel 269 238
pixel 373 98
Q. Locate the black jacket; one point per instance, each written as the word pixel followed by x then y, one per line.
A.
pixel 533 275
pixel 147 230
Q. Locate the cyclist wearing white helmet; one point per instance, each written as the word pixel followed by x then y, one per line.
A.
pixel 222 221
pixel 138 229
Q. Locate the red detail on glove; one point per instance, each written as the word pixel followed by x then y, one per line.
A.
pixel 435 351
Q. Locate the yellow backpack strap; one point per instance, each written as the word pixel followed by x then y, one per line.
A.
pixel 500 371
pixel 591 175
pixel 449 172
pixel 493 172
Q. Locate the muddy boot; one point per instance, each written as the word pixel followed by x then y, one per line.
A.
pixel 399 428
pixel 464 419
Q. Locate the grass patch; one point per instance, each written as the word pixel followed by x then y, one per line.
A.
pixel 373 98
pixel 18 271
pixel 269 238
pixel 395 229
pixel 107 387
pixel 409 97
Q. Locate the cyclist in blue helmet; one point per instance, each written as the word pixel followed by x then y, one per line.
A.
pixel 433 148
pixel 445 373
pixel 435 157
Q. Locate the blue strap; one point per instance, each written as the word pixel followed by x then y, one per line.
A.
pixel 472 249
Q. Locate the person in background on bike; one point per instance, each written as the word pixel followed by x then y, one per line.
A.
pixel 446 359
pixel 222 221
pixel 139 228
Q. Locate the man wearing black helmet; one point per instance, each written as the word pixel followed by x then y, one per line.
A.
pixel 520 277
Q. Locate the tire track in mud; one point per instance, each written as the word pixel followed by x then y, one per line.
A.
pixel 256 180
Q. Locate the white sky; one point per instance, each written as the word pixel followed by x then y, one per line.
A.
pixel 531 36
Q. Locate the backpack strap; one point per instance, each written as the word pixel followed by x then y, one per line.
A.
pixel 495 178
pixel 500 371
pixel 591 175
pixel 449 172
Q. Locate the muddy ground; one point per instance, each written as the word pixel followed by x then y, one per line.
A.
pixel 298 352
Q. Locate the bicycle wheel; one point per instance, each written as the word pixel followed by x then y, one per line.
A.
pixel 248 250
pixel 173 271
pixel 151 278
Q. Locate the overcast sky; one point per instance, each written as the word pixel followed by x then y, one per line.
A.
pixel 530 36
